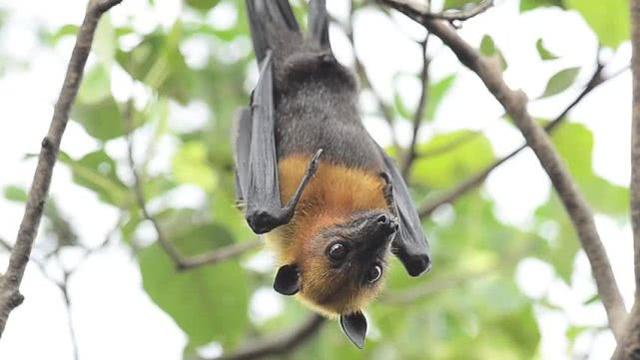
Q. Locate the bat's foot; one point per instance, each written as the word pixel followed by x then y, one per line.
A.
pixel 263 221
pixel 416 264
pixel 387 190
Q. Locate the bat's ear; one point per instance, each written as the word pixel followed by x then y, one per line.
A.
pixel 287 280
pixel 355 327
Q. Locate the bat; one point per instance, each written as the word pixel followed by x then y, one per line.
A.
pixel 329 201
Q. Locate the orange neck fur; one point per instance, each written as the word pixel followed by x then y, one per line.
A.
pixel 331 196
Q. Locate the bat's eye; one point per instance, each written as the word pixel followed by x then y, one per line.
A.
pixel 337 251
pixel 374 274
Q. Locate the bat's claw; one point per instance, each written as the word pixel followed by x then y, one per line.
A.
pixel 314 163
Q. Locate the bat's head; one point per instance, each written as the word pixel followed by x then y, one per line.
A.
pixel 341 268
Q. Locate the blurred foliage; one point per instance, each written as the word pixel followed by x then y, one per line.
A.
pixel 543 52
pixel 479 313
pixel 561 81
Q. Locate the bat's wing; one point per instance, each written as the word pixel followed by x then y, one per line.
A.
pixel 255 152
pixel 242 142
pixel 257 162
pixel 410 244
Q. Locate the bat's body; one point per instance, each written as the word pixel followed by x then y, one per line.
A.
pixel 302 144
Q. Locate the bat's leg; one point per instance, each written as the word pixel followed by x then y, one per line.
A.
pixel 289 209
pixel 387 191
pixel 264 220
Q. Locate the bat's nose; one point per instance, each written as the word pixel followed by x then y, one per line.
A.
pixel 387 224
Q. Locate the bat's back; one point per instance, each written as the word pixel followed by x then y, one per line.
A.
pixel 317 109
pixel 316 97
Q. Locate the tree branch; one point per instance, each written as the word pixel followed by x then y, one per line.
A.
pixel 182 262
pixel 515 104
pixel 280 345
pixel 419 114
pixel 449 15
pixel 10 296
pixel 220 254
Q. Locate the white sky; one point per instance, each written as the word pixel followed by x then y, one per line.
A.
pixel 113 316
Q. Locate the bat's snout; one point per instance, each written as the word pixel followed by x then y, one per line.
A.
pixel 386 224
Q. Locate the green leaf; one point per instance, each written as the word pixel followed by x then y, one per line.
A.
pixel 543 52
pixel 608 19
pixel 97 171
pixel 565 245
pixel 190 166
pixel 96 86
pixel 15 193
pixel 208 303
pixel 105 42
pixel 54 37
pixel 436 93
pixel 158 62
pixel 102 120
pixel 459 4
pixel 401 108
pixel 526 5
pixel 520 328
pixel 399 104
pixel 488 48
pixel 202 4
pixel 57 228
pixel 592 300
pixel 573 332
pixel 574 142
pixel 449 167
pixel 561 81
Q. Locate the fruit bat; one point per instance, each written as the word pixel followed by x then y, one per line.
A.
pixel 331 202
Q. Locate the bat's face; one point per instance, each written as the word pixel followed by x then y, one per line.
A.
pixel 342 268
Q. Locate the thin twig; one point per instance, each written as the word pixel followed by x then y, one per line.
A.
pixel 280 345
pixel 5 245
pixel 420 109
pixel 138 190
pixel 515 104
pixel 449 15
pixel 182 262
pixel 10 296
pixel 220 254
pixel 385 110
pixel 64 289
